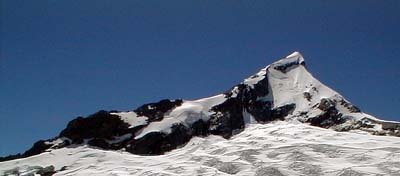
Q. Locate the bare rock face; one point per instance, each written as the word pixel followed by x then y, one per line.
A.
pixel 329 118
pixel 227 119
pixel 101 125
pixel 156 143
pixel 156 111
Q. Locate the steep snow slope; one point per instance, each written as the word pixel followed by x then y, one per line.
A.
pixel 288 82
pixel 283 91
pixel 277 148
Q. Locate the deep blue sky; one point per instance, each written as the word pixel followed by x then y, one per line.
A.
pixel 62 59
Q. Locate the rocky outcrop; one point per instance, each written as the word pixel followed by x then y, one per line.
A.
pixel 227 119
pixel 329 117
pixel 46 171
pixel 156 111
pixel 37 148
pixel 101 125
pixel 157 143
pixel 284 89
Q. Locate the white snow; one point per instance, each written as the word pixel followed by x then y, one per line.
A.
pixel 251 81
pixel 186 114
pixel 131 118
pixel 287 147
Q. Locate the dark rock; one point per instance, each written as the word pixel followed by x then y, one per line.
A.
pixel 228 117
pixel 157 143
pixel 326 104
pixel 261 88
pixel 99 125
pixel 99 142
pixel 262 111
pixel 47 171
pixel 199 128
pixel 11 157
pixel 349 106
pixel 156 111
pixel 307 96
pixel 284 68
pixel 246 93
pixel 283 111
pixel 329 118
pixel 37 148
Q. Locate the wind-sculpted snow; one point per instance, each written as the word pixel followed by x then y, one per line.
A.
pixel 277 148
pixel 282 91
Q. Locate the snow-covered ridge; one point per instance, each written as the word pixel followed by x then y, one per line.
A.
pixel 277 148
pixel 284 90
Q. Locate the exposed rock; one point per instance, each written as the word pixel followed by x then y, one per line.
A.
pixel 156 143
pixel 390 125
pixel 37 148
pixel 262 111
pixel 329 118
pixel 200 128
pixel 307 96
pixel 101 125
pixel 261 89
pixel 284 68
pixel 228 118
pixel 47 171
pixel 156 111
pixel 254 96
pixel 99 142
pixel 349 106
pixel 326 104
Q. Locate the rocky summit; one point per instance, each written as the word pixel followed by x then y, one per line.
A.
pixel 280 99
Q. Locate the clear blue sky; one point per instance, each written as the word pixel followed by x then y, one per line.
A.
pixel 62 59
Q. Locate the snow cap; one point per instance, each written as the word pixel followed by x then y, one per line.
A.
pixel 297 55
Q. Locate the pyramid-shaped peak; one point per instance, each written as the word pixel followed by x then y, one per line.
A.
pixel 289 62
pixel 295 54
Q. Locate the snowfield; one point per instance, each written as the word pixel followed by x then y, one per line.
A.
pixel 278 148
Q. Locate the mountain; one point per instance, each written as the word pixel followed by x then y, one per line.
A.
pixel 280 121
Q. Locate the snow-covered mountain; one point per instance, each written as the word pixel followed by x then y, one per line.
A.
pixel 280 121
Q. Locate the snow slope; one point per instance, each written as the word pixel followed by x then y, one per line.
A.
pixel 269 124
pixel 278 148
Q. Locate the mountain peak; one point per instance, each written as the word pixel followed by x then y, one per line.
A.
pixel 289 62
pixel 295 54
pixel 285 90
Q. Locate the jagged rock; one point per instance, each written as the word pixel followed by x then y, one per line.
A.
pixel 329 118
pixel 326 104
pixel 99 125
pixel 156 143
pixel 156 111
pixel 349 106
pixel 284 67
pixel 227 119
pixel 286 82
pixel 263 112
